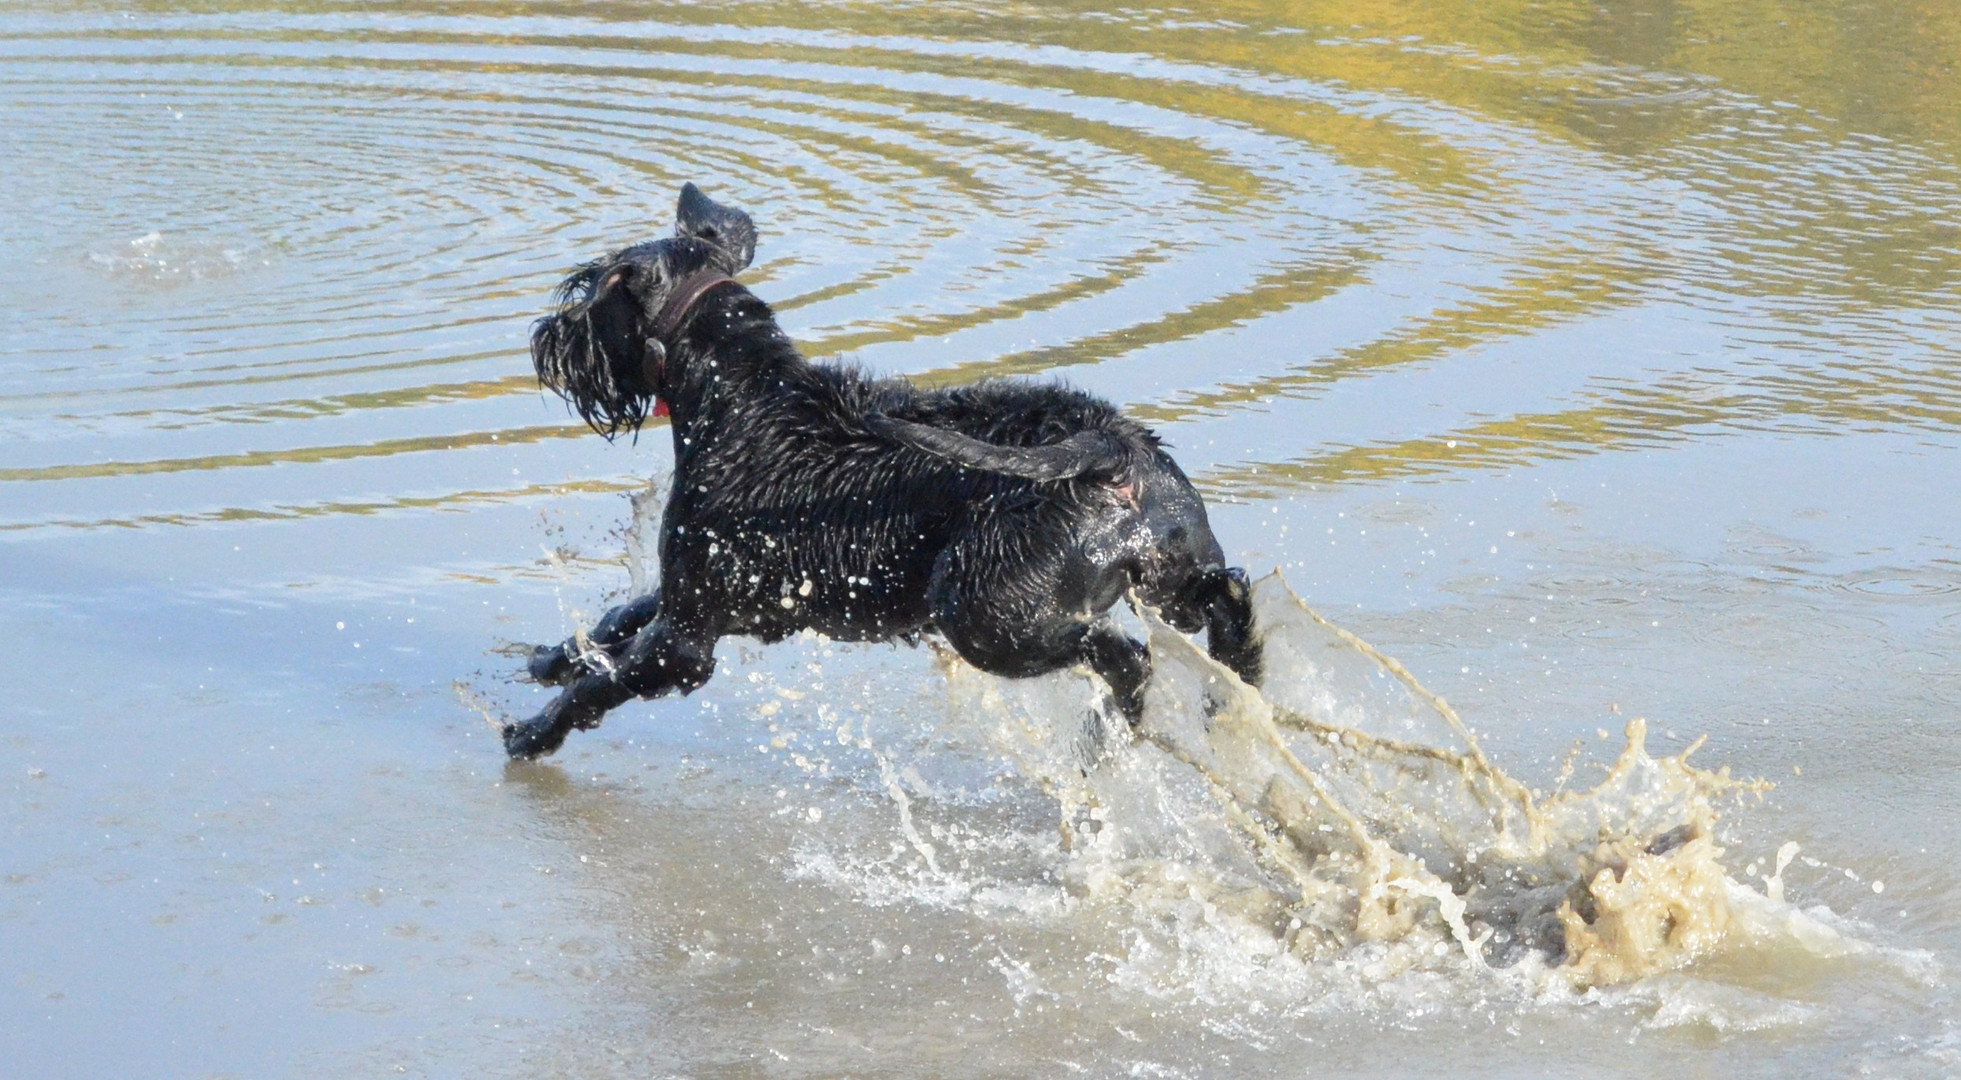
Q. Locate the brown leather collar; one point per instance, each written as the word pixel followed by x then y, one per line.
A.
pixel 683 299
pixel 672 314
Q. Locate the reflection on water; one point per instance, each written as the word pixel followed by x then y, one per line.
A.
pixel 365 209
pixel 1596 352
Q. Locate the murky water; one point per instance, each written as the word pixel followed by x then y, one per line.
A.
pixel 1598 362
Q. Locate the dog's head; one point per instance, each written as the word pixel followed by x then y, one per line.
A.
pixel 599 350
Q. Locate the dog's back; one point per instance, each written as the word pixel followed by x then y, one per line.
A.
pixel 841 528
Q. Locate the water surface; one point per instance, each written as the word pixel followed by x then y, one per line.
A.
pixel 1597 361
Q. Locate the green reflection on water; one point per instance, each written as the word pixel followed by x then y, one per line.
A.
pixel 1822 402
pixel 1554 290
pixel 302 455
pixel 1710 94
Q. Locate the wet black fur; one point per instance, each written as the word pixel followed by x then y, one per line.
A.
pixel 1007 517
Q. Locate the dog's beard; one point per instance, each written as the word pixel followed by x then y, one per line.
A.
pixel 586 364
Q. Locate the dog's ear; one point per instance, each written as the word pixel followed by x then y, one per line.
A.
pixel 597 283
pixel 615 302
pixel 728 230
pixel 591 350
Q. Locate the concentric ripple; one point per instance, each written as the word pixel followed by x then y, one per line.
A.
pixel 268 268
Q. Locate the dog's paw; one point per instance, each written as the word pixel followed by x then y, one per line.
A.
pixel 533 738
pixel 550 665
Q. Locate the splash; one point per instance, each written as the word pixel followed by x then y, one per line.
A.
pixel 1351 818
pixel 158 259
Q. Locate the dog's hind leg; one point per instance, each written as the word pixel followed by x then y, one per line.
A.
pixel 1219 601
pixel 658 659
pixel 556 665
pixel 1230 635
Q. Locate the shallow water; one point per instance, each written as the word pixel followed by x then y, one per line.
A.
pixel 1596 362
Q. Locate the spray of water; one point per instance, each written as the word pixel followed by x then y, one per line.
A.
pixel 1339 829
pixel 1345 816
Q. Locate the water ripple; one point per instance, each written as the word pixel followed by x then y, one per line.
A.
pixel 327 235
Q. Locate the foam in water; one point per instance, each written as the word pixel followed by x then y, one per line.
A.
pixel 1344 817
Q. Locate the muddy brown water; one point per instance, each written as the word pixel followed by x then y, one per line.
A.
pixel 1595 361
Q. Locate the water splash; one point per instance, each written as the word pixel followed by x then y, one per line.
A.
pixel 156 258
pixel 1345 816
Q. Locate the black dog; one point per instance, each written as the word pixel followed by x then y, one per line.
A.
pixel 1007 517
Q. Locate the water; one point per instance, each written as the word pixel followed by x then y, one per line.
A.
pixel 1597 363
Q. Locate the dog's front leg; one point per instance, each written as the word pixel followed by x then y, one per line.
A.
pixel 556 665
pixel 580 705
pixel 660 658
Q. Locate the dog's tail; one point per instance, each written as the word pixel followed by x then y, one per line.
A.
pixel 1083 453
